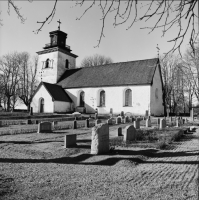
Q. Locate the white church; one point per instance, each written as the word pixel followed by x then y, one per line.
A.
pixel 132 87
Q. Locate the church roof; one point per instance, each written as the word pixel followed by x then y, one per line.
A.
pixel 138 72
pixel 56 91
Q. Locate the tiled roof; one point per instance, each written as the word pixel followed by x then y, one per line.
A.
pixel 57 92
pixel 125 73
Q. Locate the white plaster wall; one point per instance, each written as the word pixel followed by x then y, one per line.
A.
pixel 61 106
pixel 49 75
pixel 114 99
pixel 157 107
pixel 48 103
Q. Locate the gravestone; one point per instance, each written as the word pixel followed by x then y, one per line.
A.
pixel 109 121
pixel 119 131
pixel 54 123
pixel 100 139
pixel 98 121
pixel 133 119
pixel 29 121
pixel 126 119
pixel 96 115
pixel 162 123
pixel 118 120
pixel 37 121
pixel 192 114
pixel 87 123
pixel 44 127
pixel 148 123
pixel 130 133
pixel 74 124
pixel 136 124
pixel 167 112
pixel 158 122
pixel 177 122
pixel 31 111
pixel 70 140
pixel 122 114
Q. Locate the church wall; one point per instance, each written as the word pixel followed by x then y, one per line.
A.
pixel 48 103
pixel 114 99
pixel 60 106
pixel 49 75
pixel 157 107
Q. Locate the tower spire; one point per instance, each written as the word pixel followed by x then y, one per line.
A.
pixel 59 24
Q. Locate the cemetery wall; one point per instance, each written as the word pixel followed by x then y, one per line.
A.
pixel 114 98
pixel 48 103
pixel 157 107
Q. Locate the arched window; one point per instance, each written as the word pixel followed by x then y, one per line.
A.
pixel 41 105
pixel 81 97
pixel 102 98
pixel 128 97
pixel 156 93
pixel 66 63
pixel 47 63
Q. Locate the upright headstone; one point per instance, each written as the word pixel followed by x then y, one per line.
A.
pixel 158 122
pixel 74 124
pixel 136 124
pixel 162 123
pixel 119 131
pixel 29 121
pixel 87 123
pixel 126 119
pixel 133 119
pixel 109 121
pixel 192 114
pixel 100 139
pixel 118 120
pixel 54 123
pixel 122 114
pixel 177 122
pixel 167 112
pixel 70 140
pixel 98 121
pixel 130 133
pixel 96 115
pixel 148 123
pixel 44 127
pixel 31 111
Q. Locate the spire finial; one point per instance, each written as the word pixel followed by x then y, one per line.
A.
pixel 59 24
pixel 158 50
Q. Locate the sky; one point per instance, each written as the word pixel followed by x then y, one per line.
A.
pixel 120 44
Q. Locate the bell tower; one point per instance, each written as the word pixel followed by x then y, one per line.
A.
pixel 56 58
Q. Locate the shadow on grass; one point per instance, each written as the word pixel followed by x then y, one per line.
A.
pixel 151 153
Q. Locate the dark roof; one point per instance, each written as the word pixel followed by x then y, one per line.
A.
pixel 125 73
pixel 57 92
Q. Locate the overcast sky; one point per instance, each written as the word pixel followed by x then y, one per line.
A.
pixel 119 44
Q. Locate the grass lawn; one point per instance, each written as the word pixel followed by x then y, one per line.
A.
pixel 37 166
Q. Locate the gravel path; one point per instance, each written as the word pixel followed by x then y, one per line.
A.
pixel 47 171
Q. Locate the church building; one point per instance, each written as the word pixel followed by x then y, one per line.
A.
pixel 134 87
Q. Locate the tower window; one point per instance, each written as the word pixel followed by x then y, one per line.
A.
pixel 47 63
pixel 66 64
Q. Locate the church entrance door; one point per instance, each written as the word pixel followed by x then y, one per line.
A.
pixel 41 105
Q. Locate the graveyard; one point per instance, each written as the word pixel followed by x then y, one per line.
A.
pixel 99 157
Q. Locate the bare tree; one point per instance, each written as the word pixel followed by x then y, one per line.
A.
pixel 95 60
pixel 28 81
pixel 167 14
pixel 191 69
pixel 9 68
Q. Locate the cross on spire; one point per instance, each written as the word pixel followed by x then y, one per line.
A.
pixel 158 49
pixel 59 24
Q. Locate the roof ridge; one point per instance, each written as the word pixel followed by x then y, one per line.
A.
pixel 118 63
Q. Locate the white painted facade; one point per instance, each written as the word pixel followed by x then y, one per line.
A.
pixel 115 99
pixel 57 60
pixel 156 105
pixel 50 106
